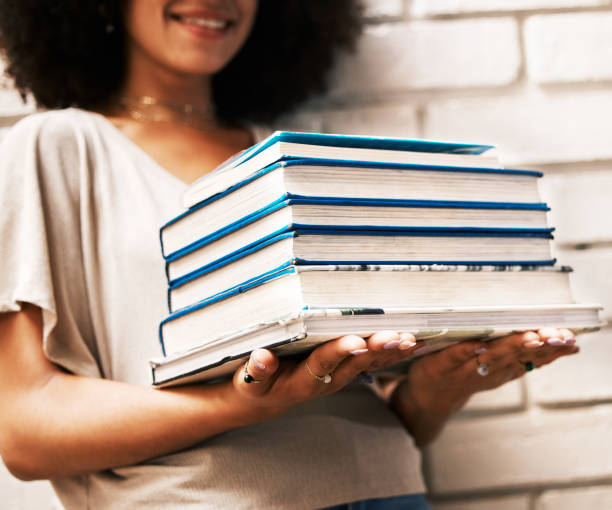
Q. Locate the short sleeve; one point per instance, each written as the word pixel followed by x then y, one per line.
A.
pixel 40 167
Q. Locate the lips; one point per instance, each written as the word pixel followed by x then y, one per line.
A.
pixel 207 21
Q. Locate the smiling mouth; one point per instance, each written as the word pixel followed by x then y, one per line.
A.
pixel 203 22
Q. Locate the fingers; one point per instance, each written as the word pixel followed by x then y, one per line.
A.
pixel 388 347
pixel 557 337
pixel 455 357
pixel 326 359
pixel 510 357
pixel 257 374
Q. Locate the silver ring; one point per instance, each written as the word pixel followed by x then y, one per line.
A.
pixel 482 369
pixel 325 379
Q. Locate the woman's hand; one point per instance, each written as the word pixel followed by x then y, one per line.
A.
pixel 439 384
pixel 275 385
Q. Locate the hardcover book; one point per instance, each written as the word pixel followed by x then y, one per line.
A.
pixel 345 247
pixel 303 238
pixel 289 290
pixel 434 328
pixel 447 190
pixel 198 227
pixel 285 145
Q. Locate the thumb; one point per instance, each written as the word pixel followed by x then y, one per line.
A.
pixel 257 374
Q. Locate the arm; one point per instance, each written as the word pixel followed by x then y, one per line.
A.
pixel 439 384
pixel 54 424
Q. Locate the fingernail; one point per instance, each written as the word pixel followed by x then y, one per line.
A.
pixel 257 363
pixel 570 341
pixel 481 350
pixel 532 344
pixel 407 344
pixel 392 344
pixel 365 377
pixel 357 352
pixel 555 341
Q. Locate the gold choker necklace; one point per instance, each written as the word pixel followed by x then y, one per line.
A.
pixel 151 109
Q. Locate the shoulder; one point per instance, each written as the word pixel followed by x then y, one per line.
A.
pixel 50 151
pixel 61 139
pixel 51 127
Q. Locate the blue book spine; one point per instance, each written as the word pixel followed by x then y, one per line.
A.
pixel 287 200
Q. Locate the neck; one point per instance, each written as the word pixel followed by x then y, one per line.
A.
pixel 146 79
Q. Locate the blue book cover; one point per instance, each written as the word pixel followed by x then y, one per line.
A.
pixel 300 231
pixel 285 270
pixel 288 200
pixel 343 163
pixel 356 142
pixel 296 145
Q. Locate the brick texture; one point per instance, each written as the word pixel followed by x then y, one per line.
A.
pixel 569 47
pixel 592 275
pixel 581 208
pixel 384 120
pixel 529 128
pixel 442 54
pixel 16 495
pixel 445 7
pixel 582 378
pixel 509 397
pixel 522 450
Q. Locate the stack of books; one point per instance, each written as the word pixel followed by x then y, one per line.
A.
pixel 306 237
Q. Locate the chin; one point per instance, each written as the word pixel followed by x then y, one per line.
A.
pixel 199 68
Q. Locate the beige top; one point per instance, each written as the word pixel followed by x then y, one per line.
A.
pixel 81 209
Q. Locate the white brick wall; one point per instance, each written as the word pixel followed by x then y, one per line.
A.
pixel 569 47
pixel 445 7
pixel 531 76
pixel 431 54
pixel 522 450
pixel 530 126
pixel 542 95
pixel 16 495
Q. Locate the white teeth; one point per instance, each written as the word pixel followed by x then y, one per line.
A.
pixel 214 24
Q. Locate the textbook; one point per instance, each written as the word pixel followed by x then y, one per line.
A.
pixel 344 247
pixel 286 145
pixel 198 225
pixel 356 241
pixel 446 189
pixel 434 328
pixel 288 290
pixel 303 238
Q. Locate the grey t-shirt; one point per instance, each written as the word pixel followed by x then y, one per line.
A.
pixel 81 209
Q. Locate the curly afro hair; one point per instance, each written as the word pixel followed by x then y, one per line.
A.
pixel 71 53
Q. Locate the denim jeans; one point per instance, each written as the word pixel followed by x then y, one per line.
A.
pixel 412 502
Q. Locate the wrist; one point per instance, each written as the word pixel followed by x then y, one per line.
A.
pixel 424 408
pixel 245 411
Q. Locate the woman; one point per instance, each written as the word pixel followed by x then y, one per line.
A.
pixel 164 91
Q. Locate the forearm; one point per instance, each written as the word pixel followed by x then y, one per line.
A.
pixel 74 425
pixel 423 414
